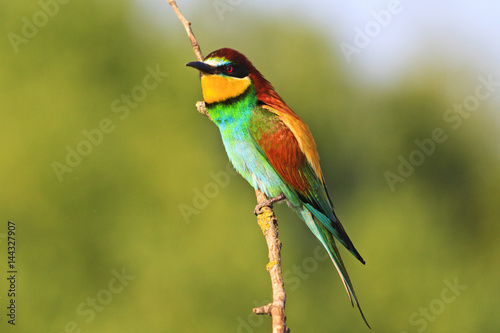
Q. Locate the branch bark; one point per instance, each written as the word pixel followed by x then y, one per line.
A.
pixel 187 26
pixel 265 218
pixel 269 225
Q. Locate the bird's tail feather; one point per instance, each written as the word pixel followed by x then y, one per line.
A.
pixel 328 242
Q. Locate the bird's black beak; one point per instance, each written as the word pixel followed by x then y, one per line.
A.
pixel 202 67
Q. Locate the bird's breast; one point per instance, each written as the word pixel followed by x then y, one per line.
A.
pixel 249 161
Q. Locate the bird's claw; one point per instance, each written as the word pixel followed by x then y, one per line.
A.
pixel 268 203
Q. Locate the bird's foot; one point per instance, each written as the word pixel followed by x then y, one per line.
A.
pixel 268 203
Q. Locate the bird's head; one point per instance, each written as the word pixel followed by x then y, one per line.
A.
pixel 227 73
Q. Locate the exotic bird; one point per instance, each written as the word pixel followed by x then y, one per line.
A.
pixel 271 147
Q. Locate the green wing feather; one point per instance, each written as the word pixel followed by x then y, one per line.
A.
pixel 280 146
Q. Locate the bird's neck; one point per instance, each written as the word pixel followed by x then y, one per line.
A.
pixel 236 110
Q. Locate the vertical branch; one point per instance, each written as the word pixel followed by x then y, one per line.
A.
pixel 265 218
pixel 269 226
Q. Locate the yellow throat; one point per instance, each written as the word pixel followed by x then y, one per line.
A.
pixel 217 88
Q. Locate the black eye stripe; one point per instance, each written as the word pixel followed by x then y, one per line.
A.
pixel 234 70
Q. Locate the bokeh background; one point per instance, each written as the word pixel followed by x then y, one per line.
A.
pixel 147 229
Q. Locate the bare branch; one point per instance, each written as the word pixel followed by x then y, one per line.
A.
pixel 269 226
pixel 200 106
pixel 187 26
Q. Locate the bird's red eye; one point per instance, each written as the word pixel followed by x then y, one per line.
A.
pixel 229 69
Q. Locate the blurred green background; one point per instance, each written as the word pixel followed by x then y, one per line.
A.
pixel 103 186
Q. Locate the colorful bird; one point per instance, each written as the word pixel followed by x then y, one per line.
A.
pixel 271 147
